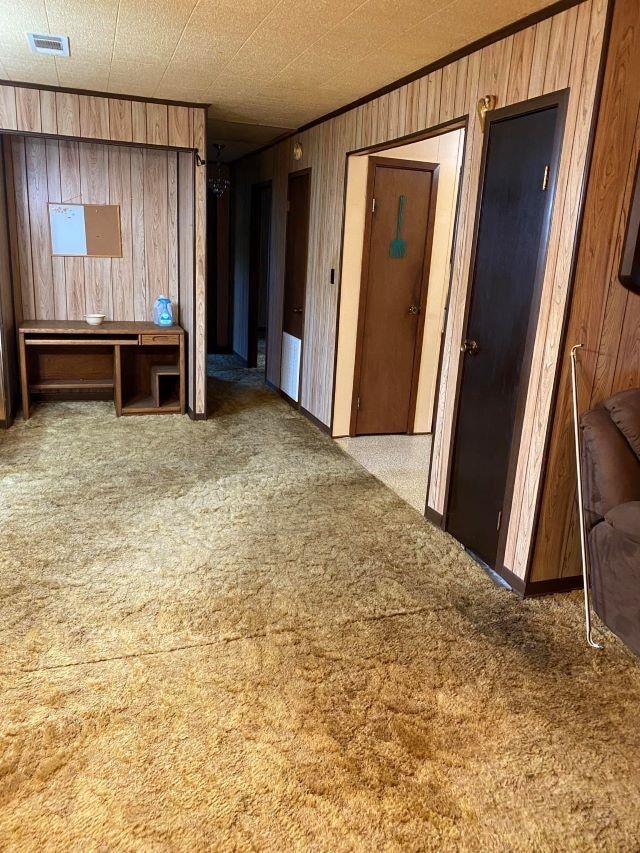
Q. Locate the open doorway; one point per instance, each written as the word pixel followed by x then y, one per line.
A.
pixel 260 231
pixel 399 232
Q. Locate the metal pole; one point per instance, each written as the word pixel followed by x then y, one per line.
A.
pixel 583 532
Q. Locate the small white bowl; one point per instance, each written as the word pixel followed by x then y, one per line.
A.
pixel 94 319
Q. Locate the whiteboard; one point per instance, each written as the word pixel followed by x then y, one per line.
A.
pixel 68 229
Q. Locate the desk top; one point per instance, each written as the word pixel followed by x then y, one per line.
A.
pixel 108 327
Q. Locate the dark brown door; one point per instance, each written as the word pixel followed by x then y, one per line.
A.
pixel 520 159
pixel 259 241
pixel 398 234
pixel 297 244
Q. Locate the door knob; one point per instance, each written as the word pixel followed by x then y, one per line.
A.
pixel 469 346
pixel 297 310
pixel 414 309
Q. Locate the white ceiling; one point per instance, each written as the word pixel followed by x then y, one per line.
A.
pixel 264 65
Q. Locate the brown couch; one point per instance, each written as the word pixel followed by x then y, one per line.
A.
pixel 611 455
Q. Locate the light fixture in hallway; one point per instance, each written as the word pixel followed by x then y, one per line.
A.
pixel 218 182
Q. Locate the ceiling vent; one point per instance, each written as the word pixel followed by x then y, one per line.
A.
pixel 45 43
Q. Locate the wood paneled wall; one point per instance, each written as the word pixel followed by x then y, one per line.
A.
pixel 141 124
pixel 8 355
pixel 142 181
pixel 562 51
pixel 604 316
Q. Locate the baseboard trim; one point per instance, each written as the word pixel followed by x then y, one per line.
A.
pixel 516 583
pixel 534 589
pixel 315 421
pixel 433 516
pixel 196 416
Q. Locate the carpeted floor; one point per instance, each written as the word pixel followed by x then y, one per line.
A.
pixel 226 635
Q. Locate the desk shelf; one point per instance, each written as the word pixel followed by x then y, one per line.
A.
pixel 137 365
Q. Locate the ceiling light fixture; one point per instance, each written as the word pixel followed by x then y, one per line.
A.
pixel 218 182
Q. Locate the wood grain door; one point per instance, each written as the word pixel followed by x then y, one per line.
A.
pixel 401 202
pixel 520 162
pixel 297 247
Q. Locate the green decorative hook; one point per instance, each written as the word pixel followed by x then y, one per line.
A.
pixel 398 246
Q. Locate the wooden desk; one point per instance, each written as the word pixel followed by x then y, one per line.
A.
pixel 140 366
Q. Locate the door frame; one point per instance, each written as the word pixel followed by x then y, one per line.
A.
pixel 559 99
pixel 255 222
pixel 409 165
pixel 296 405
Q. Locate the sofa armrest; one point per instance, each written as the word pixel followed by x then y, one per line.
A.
pixel 625 519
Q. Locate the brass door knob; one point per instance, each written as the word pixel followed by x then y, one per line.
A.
pixel 414 309
pixel 469 346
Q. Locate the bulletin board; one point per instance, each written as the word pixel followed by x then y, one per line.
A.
pixel 85 230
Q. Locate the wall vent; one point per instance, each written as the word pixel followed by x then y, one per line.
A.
pixel 45 43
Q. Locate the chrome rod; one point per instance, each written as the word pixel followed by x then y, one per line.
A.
pixel 583 533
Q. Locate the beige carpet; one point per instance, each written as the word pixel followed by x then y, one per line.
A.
pixel 226 635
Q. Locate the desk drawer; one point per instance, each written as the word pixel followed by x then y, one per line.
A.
pixel 160 338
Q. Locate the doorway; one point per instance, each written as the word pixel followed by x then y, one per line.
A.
pixel 295 282
pixel 400 205
pixel 400 460
pixel 519 166
pixel 259 255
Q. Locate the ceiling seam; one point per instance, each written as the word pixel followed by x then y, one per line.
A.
pixel 324 34
pixel 252 33
pixel 113 43
pixel 55 61
pixel 177 44
pixel 400 35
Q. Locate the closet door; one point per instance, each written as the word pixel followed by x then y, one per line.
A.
pixel 520 163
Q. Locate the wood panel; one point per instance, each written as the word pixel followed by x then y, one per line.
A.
pixel 67 114
pixel 34 110
pixel 200 272
pixel 28 110
pixel 122 268
pixel 179 128
pixel 48 116
pixel 140 288
pixel 94 117
pixel 157 132
pixel 142 182
pixel 561 51
pixel 138 121
pixel 604 316
pixel 94 188
pixel 8 360
pixel 186 259
pixel 120 127
pixel 8 114
pixel 582 80
pixel 54 189
pixel 156 224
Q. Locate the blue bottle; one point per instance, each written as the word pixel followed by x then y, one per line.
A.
pixel 163 311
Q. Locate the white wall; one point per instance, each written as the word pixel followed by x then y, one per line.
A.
pixel 446 150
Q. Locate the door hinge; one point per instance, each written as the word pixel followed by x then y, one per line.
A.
pixel 499 521
pixel 545 178
pixel 373 206
pixel 288 206
pixel 358 404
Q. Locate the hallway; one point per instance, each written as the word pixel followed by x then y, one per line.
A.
pixel 229 635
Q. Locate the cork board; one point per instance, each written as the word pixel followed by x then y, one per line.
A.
pixel 85 230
